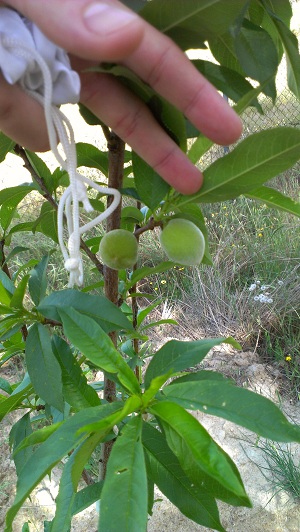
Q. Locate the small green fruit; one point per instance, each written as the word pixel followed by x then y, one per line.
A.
pixel 183 242
pixel 119 249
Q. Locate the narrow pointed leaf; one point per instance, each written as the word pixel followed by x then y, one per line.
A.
pixel 248 45
pixel 146 271
pixel 37 437
pixel 67 487
pixel 275 199
pixel 15 401
pixel 290 44
pixel 177 356
pixel 19 293
pixel 6 144
pixel 41 169
pixel 43 368
pixel 38 281
pixel 193 495
pixel 94 343
pixel 20 430
pixel 151 188
pixel 57 446
pixel 90 156
pixel 76 390
pixel 254 161
pixel 125 485
pixel 190 23
pixel 203 144
pixel 192 444
pixel 87 496
pixel 103 311
pixel 241 406
pixel 166 472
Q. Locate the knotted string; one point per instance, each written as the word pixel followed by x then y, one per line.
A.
pixel 59 127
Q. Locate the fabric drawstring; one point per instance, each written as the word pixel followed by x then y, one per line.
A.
pixel 60 128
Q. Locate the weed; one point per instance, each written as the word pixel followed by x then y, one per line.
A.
pixel 280 463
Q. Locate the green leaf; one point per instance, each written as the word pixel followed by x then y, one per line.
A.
pixel 290 44
pixel 132 214
pixel 19 294
pixel 151 188
pixel 20 430
pixel 200 376
pixel 103 311
pixel 87 496
pixel 43 368
pixel 275 199
pixel 254 161
pixel 37 437
pixel 165 470
pixel 202 144
pixel 38 280
pixel 67 490
pixel 5 386
pixel 41 169
pixel 176 356
pixel 47 222
pixel 6 145
pixel 131 404
pixel 56 447
pixel 249 44
pixel 189 24
pixel 192 445
pixel 15 251
pixel 13 195
pixel 94 343
pixel 145 271
pixel 15 401
pixel 125 483
pixel 76 390
pixel 5 296
pixel 230 82
pixel 241 406
pixel 142 314
pixel 90 156
pixel 88 116
pixel 7 283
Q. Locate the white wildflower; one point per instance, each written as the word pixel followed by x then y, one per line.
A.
pixel 252 287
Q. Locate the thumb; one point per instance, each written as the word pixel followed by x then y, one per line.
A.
pixel 100 30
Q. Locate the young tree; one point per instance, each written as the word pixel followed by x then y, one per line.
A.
pixel 147 434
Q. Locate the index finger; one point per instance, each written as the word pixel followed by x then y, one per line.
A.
pixel 108 31
pixel 169 71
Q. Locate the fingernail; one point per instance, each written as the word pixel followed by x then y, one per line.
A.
pixel 104 18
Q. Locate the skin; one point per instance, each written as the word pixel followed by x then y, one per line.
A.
pixel 121 36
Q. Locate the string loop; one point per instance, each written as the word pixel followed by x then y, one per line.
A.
pixel 60 128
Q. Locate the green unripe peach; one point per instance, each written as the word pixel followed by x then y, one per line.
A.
pixel 119 249
pixel 183 242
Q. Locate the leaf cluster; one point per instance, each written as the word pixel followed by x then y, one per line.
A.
pixel 64 335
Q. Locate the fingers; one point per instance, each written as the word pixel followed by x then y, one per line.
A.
pixel 22 118
pixel 103 30
pixel 171 74
pixel 131 120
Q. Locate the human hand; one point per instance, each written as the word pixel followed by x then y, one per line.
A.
pixel 106 31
